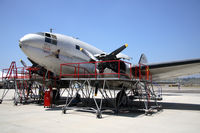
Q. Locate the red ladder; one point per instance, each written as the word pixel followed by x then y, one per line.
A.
pixel 12 71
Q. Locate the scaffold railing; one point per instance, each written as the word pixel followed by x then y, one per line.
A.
pixel 23 73
pixel 92 70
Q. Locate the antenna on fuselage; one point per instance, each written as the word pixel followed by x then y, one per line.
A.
pixel 51 30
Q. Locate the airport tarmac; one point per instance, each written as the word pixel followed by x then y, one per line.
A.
pixel 180 114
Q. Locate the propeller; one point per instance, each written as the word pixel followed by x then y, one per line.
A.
pixel 23 63
pixel 96 88
pixel 90 55
pixel 112 56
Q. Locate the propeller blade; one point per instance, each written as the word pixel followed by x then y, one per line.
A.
pixel 96 88
pixel 87 53
pixel 103 65
pixel 114 53
pixel 23 63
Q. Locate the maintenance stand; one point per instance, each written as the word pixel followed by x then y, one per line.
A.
pixel 86 91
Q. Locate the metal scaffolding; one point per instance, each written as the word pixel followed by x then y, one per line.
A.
pixel 85 90
pixel 81 93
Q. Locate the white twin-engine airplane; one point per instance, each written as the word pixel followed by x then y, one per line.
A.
pixel 49 50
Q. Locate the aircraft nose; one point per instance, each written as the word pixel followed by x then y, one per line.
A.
pixel 30 40
pixel 26 40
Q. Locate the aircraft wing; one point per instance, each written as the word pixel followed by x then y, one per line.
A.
pixel 166 70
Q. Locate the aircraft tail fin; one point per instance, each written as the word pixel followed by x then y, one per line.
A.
pixel 143 59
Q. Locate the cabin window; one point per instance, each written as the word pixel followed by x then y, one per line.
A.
pixel 77 47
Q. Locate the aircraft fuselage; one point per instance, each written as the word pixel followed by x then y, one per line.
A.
pixel 50 50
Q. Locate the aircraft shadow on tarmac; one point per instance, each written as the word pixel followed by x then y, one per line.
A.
pixel 124 112
pixel 136 113
pixel 180 106
pixel 133 111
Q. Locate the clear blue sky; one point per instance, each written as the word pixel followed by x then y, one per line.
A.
pixel 164 30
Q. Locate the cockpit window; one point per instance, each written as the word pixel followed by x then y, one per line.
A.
pixel 47 35
pixel 54 42
pixel 50 38
pixel 53 36
pixel 47 40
